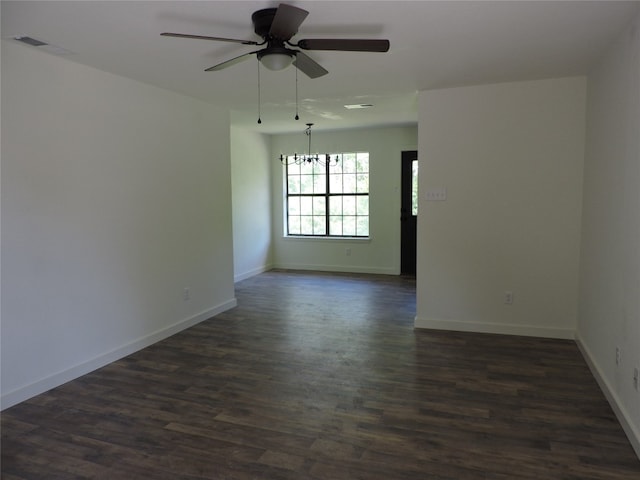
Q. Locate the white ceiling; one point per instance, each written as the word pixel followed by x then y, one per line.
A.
pixel 434 44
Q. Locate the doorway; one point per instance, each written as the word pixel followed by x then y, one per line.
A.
pixel 408 212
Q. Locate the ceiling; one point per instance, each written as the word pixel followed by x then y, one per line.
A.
pixel 434 44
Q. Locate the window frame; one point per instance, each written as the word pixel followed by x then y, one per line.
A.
pixel 327 195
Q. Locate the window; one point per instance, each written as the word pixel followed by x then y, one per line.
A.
pixel 329 200
pixel 414 188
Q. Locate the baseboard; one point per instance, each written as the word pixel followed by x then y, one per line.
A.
pixel 252 273
pixel 338 268
pixel 497 328
pixel 632 432
pixel 40 386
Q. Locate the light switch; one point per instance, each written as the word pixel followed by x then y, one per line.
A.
pixel 438 194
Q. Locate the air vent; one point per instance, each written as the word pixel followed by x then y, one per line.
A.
pixel 30 41
pixel 358 106
pixel 44 46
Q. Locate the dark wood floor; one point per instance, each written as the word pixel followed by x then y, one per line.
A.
pixel 322 376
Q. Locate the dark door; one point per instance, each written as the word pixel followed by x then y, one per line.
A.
pixel 409 212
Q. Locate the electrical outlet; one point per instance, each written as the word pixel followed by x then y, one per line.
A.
pixel 635 379
pixel 438 194
pixel 618 356
pixel 186 294
pixel 508 297
pixel 347 252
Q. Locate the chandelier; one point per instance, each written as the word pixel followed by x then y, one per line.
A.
pixel 324 159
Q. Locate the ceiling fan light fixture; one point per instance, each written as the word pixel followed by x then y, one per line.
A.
pixel 276 61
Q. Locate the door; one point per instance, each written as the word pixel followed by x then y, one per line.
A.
pixel 408 212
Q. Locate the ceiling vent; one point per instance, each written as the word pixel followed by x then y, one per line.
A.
pixel 358 106
pixel 47 47
pixel 30 41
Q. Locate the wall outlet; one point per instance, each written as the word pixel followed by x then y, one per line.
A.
pixel 618 356
pixel 635 379
pixel 438 194
pixel 508 297
pixel 347 252
pixel 186 294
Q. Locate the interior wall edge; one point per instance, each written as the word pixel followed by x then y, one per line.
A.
pixel 40 386
pixel 252 273
pixel 633 434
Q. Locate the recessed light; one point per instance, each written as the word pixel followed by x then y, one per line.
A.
pixel 357 106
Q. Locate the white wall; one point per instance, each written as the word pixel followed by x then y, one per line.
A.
pixel 380 254
pixel 510 156
pixel 609 312
pixel 115 196
pixel 251 185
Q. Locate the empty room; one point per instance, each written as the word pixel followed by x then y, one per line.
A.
pixel 320 240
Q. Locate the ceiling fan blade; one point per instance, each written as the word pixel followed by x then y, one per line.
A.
pixel 229 63
pixel 286 21
pixel 309 66
pixel 203 37
pixel 345 44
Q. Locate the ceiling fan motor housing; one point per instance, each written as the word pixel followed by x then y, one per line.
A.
pixel 275 56
pixel 262 20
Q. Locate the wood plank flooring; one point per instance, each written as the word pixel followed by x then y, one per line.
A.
pixel 322 376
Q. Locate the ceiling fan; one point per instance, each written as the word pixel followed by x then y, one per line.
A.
pixel 276 26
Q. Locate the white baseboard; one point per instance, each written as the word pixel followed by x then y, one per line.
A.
pixel 339 268
pixel 252 273
pixel 632 432
pixel 497 328
pixel 40 386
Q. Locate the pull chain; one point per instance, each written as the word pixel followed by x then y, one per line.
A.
pixel 297 117
pixel 259 109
